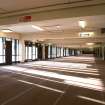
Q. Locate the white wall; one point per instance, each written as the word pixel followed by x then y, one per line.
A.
pixel 10 35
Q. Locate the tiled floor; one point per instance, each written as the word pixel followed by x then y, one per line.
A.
pixel 63 81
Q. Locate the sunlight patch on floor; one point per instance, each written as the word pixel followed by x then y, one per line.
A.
pixel 61 64
pixel 91 83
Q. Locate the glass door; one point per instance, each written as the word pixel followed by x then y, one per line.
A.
pixel 2 50
pixel 15 50
pixel 29 51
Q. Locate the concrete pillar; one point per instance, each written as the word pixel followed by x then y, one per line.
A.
pixel 43 52
pixel 103 54
pixel 72 52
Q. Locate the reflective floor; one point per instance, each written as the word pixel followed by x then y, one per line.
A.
pixel 63 81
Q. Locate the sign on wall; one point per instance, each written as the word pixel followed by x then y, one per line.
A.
pixel 25 18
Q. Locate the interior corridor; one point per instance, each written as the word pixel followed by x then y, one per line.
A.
pixel 63 81
pixel 52 52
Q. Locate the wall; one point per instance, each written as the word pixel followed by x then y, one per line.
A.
pixel 10 35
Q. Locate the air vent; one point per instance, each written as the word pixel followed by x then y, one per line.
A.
pixel 102 30
pixel 53 28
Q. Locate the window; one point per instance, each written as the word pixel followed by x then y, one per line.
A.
pixel 2 50
pixel 49 51
pixel 67 52
pixel 28 52
pixel 31 51
pixel 61 52
pixel 53 52
pixel 15 50
pixel 36 52
pixel 64 51
pixel 58 52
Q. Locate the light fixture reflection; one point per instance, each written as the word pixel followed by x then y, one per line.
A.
pixel 6 30
pixel 45 87
pixel 90 83
pixel 63 65
pixel 37 28
pixel 93 100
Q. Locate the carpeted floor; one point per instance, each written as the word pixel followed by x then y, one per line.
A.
pixel 62 81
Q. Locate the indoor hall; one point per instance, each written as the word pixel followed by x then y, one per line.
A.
pixel 52 52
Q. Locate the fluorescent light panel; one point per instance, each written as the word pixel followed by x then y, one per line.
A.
pixel 89 44
pixel 6 30
pixel 82 23
pixel 37 28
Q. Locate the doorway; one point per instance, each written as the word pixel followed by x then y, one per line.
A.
pixel 46 52
pixel 40 53
pixel 8 52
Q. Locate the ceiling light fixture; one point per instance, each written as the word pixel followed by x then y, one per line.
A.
pixel 57 26
pixel 6 30
pixel 37 28
pixel 82 23
pixel 89 44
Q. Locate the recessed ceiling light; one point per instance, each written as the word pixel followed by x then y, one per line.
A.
pixel 57 26
pixel 6 30
pixel 37 28
pixel 89 44
pixel 82 23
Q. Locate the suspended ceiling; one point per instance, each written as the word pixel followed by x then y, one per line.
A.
pixel 59 25
pixel 50 26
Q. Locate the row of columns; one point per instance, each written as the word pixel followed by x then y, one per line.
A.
pixel 99 52
pixel 51 51
pixel 45 53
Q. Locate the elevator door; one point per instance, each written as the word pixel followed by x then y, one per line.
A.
pixel 8 52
